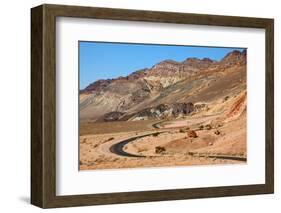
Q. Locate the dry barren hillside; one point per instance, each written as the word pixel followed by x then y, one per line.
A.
pixel 174 113
pixel 167 86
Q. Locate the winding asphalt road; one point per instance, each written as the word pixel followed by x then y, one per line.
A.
pixel 228 157
pixel 225 157
pixel 118 147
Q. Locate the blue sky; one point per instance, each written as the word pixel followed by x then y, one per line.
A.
pixel 103 60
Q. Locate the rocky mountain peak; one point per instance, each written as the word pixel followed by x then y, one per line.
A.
pixel 169 88
pixel 169 64
pixel 207 60
pixel 196 64
pixel 138 74
pixel 97 86
pixel 167 69
pixel 197 60
pixel 235 57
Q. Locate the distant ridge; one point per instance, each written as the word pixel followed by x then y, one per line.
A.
pixel 167 82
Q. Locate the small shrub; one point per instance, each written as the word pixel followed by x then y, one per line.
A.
pixel 155 134
pixel 159 149
pixel 226 98
pixel 182 130
pixel 109 139
pixel 192 134
pixel 217 132
pixel 190 153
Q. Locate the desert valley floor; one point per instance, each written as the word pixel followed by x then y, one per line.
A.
pixel 186 141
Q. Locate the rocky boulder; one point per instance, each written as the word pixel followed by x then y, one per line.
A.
pixel 165 111
pixel 192 134
pixel 112 116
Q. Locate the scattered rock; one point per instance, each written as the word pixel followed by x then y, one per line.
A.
pixel 201 127
pixel 159 149
pixel 192 134
pixel 226 98
pixel 217 132
pixel 210 144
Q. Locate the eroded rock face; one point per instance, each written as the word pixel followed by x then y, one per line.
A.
pixel 182 108
pixel 239 106
pixel 165 110
pixel 112 116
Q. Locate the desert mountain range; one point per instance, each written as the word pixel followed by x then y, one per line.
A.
pixel 169 89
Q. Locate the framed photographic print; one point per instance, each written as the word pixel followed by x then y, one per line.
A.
pixel 137 106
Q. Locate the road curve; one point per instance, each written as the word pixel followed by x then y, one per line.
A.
pixel 118 147
pixel 155 125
